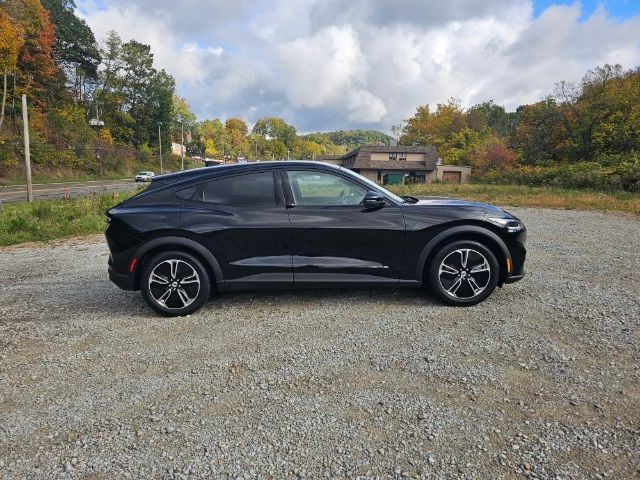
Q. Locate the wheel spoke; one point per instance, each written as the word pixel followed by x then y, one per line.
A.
pixel 474 286
pixel 190 279
pixel 464 257
pixel 484 267
pixel 444 268
pixel 184 297
pixel 174 268
pixel 455 287
pixel 165 296
pixel 158 279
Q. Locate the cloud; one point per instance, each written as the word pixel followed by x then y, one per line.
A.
pixel 329 64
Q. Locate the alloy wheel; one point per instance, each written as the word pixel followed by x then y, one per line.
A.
pixel 174 284
pixel 464 273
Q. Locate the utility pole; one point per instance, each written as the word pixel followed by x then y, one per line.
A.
pixel 97 123
pixel 160 142
pixel 182 146
pixel 288 154
pixel 27 151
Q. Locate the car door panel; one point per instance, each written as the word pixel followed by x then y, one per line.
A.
pixel 344 244
pixel 251 243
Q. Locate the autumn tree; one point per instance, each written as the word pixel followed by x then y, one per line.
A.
pixel 10 45
pixel 37 73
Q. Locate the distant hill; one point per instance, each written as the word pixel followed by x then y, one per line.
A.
pixel 350 139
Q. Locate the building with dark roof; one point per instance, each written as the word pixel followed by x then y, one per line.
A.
pixel 398 164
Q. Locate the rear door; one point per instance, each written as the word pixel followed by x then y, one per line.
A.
pixel 334 238
pixel 243 221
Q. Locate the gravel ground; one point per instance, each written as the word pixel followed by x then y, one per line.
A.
pixel 541 380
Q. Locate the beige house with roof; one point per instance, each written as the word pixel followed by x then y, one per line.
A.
pixel 388 165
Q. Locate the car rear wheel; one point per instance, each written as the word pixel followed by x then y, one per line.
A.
pixel 464 273
pixel 175 283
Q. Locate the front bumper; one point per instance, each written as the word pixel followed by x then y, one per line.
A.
pixel 515 278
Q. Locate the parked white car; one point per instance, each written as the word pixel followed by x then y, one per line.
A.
pixel 144 176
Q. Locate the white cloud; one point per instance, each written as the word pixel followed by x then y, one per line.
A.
pixel 329 64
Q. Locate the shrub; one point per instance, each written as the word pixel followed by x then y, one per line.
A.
pixel 617 172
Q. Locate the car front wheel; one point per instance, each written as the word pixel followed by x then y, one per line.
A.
pixel 464 273
pixel 175 283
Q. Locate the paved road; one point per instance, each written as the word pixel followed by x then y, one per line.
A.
pixel 18 193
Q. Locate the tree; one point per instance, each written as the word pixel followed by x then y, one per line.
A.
pixel 307 150
pixel 490 154
pixel 212 139
pixel 10 44
pixel 75 50
pixel 36 73
pixel 237 130
pixel 540 134
pixel 274 127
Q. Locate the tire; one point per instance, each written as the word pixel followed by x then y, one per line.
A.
pixel 463 282
pixel 175 283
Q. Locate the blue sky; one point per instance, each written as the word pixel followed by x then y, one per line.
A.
pixel 619 9
pixel 331 64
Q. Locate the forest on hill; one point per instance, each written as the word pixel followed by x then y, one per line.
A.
pixel 582 135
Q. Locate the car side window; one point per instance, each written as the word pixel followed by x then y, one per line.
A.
pixel 313 188
pixel 251 189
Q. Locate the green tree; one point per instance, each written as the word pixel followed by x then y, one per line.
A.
pixel 541 136
pixel 237 130
pixel 76 50
pixel 277 128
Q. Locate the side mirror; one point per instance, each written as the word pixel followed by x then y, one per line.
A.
pixel 374 200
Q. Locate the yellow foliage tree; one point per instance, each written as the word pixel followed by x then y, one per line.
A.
pixel 10 44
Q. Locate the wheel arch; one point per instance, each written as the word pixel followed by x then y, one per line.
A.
pixel 464 232
pixel 153 247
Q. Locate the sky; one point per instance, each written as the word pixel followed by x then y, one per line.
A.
pixel 335 64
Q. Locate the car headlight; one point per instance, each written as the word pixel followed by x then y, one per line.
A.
pixel 510 224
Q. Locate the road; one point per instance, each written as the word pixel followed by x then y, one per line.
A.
pixel 18 193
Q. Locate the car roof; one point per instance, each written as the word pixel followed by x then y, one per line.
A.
pixel 206 172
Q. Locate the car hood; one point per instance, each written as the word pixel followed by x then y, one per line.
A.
pixel 483 209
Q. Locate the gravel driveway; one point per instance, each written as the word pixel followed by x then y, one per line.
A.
pixel 542 380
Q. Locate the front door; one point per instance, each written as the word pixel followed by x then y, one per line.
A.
pixel 334 238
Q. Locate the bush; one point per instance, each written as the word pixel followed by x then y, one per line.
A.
pixel 612 172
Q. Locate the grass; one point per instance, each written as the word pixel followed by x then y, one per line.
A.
pixel 43 174
pixel 523 196
pixel 45 220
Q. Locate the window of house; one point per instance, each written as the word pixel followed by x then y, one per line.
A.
pixel 312 188
pixel 402 156
pixel 252 189
pixel 393 156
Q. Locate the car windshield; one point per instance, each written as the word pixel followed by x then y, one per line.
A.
pixel 377 187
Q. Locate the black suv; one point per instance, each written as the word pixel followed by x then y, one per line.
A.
pixel 303 224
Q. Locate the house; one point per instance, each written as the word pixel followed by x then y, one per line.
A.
pixel 399 164
pixel 178 149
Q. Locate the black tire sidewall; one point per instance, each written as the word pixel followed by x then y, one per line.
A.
pixel 434 268
pixel 205 283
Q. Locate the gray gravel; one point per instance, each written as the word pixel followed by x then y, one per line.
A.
pixel 541 380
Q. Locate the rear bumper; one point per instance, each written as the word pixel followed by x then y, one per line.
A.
pixel 122 280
